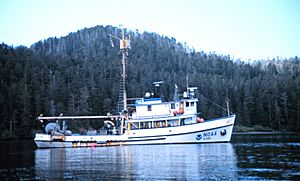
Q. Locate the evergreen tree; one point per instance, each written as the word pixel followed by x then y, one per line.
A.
pixel 79 74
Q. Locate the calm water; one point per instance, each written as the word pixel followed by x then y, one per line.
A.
pixel 247 157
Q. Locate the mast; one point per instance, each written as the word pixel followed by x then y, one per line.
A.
pixel 228 112
pixel 187 84
pixel 124 46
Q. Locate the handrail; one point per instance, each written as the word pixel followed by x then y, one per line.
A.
pixel 75 117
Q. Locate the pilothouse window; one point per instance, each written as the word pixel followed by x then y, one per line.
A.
pixel 173 106
pixel 192 104
pixel 149 108
pixel 187 104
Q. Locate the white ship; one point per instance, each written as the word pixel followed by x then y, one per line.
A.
pixel 149 120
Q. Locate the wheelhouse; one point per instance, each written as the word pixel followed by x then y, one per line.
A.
pixel 151 112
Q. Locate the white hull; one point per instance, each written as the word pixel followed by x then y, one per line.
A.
pixel 218 130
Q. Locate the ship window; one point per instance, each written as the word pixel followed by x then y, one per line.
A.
pixel 187 104
pixel 192 104
pixel 172 106
pixel 149 108
pixel 145 125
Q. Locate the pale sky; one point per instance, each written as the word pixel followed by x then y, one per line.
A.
pixel 246 29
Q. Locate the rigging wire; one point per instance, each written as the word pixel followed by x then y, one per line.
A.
pixel 215 104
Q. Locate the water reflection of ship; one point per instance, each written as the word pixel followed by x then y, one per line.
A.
pixel 204 161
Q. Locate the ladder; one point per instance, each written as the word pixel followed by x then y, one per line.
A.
pixel 120 105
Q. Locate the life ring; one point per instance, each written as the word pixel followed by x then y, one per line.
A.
pixel 200 120
pixel 181 110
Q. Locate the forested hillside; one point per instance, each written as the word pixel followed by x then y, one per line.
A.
pixel 79 75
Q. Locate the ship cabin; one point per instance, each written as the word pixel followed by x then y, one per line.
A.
pixel 153 112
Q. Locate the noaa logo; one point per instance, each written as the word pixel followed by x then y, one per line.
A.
pixel 223 133
pixel 199 137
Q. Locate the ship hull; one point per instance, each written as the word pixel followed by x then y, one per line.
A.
pixel 211 131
